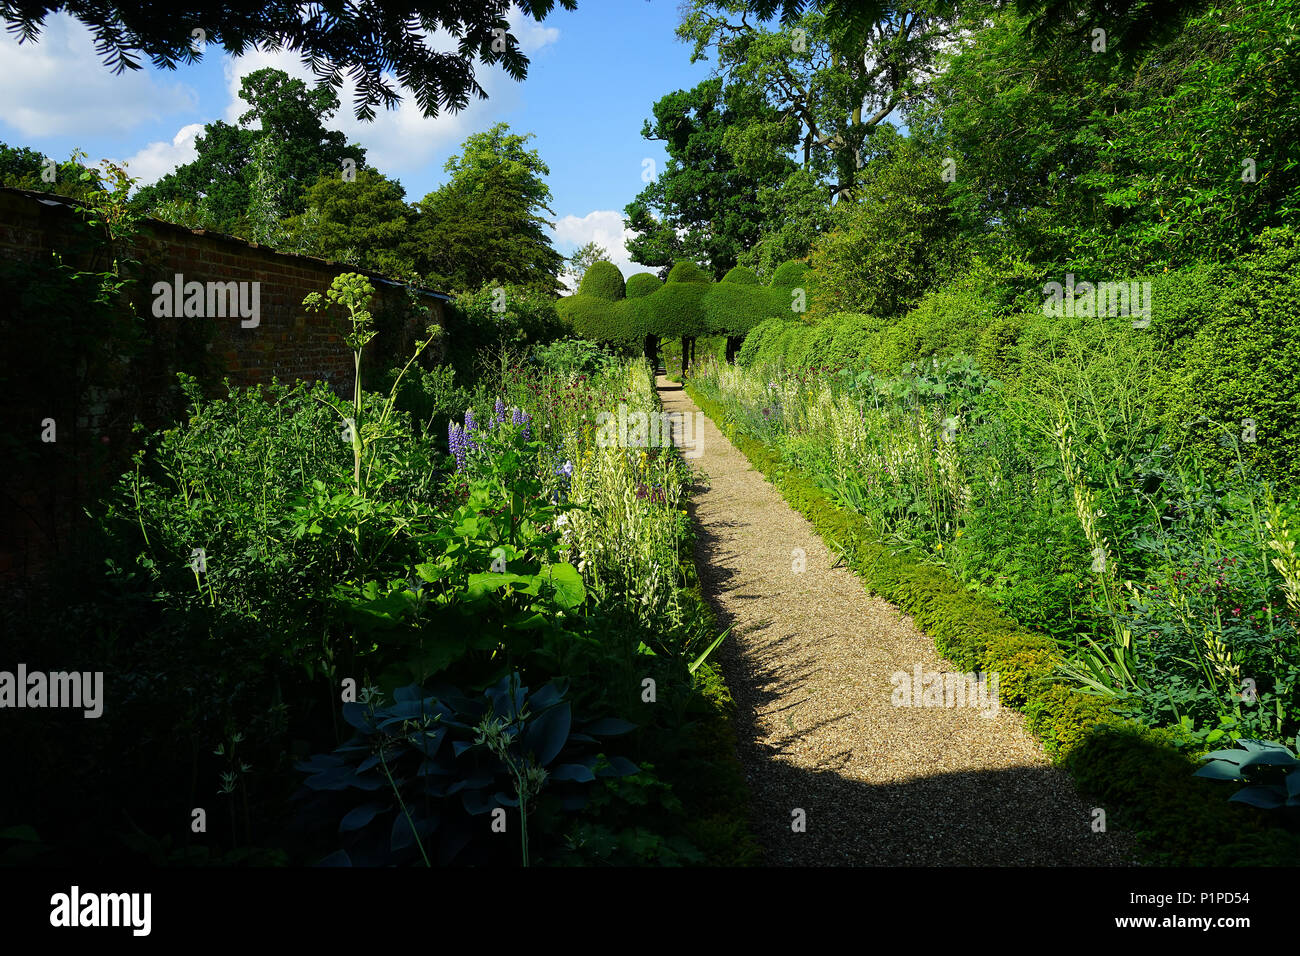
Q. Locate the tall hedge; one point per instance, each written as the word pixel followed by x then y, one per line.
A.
pixel 742 275
pixel 687 271
pixel 642 284
pixel 603 280
pixel 688 304
pixel 790 275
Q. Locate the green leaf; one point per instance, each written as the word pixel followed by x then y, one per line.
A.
pixel 707 651
pixel 570 592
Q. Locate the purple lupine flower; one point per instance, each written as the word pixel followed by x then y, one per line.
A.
pixel 469 422
pixel 459 443
pixel 516 416
pixel 500 412
pixel 528 425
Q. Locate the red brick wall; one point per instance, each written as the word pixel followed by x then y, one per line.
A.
pixel 129 383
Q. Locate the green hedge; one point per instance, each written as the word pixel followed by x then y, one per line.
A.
pixel 734 309
pixel 742 275
pixel 688 304
pixel 1139 776
pixel 603 280
pixel 790 275
pixel 1228 334
pixel 643 283
pixel 687 271
pixel 1235 330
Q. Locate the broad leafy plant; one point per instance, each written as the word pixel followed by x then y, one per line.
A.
pixel 431 777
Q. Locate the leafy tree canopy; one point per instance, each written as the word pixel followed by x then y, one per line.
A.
pixel 370 42
pixel 246 178
pixel 486 224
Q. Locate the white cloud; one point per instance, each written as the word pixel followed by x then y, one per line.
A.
pixel 158 159
pixel 404 141
pixel 59 85
pixel 603 227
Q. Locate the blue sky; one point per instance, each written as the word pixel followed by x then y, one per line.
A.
pixel 595 75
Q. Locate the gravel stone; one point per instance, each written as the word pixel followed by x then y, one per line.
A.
pixel 809 663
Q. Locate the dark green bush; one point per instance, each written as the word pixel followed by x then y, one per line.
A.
pixel 678 307
pixel 589 317
pixel 734 309
pixel 741 275
pixel 790 275
pixel 1236 330
pixel 642 284
pixel 603 280
pixel 687 271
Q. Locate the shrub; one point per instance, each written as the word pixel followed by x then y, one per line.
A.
pixel 741 275
pixel 1238 327
pixel 588 317
pixel 678 307
pixel 687 271
pixel 603 280
pixel 790 275
pixel 734 309
pixel 642 284
pixel 473 324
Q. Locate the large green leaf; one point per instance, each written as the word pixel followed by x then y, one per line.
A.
pixel 570 592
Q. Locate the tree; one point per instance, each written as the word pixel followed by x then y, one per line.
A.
pixel 370 42
pixel 893 240
pixel 247 178
pixel 582 260
pixel 1076 158
pixel 25 168
pixel 703 205
pixel 837 71
pixel 364 222
pixel 485 224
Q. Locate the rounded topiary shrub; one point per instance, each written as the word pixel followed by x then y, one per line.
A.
pixel 741 275
pixel 642 284
pixel 790 275
pixel 678 309
pixel 634 319
pixel 603 280
pixel 687 271
pixel 589 317
pixel 733 309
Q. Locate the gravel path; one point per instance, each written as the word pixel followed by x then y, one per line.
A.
pixel 809 662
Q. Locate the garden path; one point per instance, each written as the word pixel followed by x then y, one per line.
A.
pixel 809 662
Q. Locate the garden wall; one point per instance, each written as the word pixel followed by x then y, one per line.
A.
pixel 96 370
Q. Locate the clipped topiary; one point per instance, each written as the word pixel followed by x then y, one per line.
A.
pixel 734 309
pixel 790 275
pixel 687 271
pixel 603 280
pixel 589 317
pixel 741 275
pixel 642 284
pixel 678 309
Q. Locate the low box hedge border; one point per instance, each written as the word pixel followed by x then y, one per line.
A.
pixel 1142 777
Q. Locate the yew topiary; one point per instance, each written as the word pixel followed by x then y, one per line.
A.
pixel 603 280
